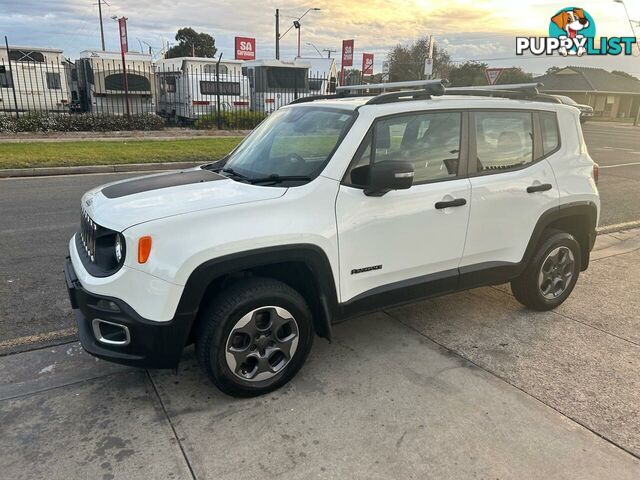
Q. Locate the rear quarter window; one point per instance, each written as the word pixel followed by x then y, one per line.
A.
pixel 550 132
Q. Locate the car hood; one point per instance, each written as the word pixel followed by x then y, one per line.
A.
pixel 120 205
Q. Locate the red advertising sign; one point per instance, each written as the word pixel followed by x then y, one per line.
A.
pixel 245 48
pixel 367 64
pixel 122 26
pixel 347 53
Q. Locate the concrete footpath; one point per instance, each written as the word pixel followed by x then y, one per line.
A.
pixel 470 385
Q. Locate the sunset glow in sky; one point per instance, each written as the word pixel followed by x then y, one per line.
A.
pixel 479 29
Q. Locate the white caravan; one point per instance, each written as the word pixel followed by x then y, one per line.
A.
pixel 323 75
pixel 101 82
pixel 188 87
pixel 275 83
pixel 38 77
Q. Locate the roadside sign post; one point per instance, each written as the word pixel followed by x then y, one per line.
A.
pixel 124 48
pixel 218 119
pixel 493 74
pixel 347 57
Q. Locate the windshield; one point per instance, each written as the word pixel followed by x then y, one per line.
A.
pixel 292 142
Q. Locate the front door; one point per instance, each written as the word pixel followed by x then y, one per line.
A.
pixel 405 244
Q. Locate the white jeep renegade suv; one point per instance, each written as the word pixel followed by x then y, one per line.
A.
pixel 330 208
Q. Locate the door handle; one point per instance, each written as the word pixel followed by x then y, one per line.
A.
pixel 458 202
pixel 543 187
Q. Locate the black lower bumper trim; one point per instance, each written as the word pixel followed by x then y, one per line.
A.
pixel 152 345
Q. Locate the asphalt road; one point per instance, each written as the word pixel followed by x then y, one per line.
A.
pixel 39 215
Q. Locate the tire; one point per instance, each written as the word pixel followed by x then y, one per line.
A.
pixel 546 290
pixel 245 360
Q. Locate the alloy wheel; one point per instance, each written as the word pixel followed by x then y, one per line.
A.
pixel 556 272
pixel 262 343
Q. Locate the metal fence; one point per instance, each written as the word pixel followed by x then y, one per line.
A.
pixel 223 95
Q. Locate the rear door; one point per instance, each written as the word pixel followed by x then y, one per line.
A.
pixel 512 184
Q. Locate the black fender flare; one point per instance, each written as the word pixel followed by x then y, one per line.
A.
pixel 312 256
pixel 586 209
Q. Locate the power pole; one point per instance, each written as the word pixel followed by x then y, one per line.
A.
pixel 329 50
pixel 277 34
pixel 101 27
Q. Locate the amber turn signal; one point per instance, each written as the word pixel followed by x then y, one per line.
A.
pixel 144 249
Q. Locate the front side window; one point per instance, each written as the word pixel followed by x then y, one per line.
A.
pixel 549 130
pixel 286 77
pixel 504 139
pixel 291 142
pixel 53 81
pixel 26 56
pixel 135 83
pixel 430 141
pixel 224 88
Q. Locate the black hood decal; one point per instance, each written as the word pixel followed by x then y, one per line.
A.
pixel 144 184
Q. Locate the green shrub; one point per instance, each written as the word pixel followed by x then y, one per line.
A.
pixel 238 120
pixel 51 122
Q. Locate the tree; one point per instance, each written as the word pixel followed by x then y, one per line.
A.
pixel 468 74
pixel 192 43
pixel 473 73
pixel 624 74
pixel 514 75
pixel 554 69
pixel 406 62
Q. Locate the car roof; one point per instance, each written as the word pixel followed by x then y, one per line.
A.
pixel 457 102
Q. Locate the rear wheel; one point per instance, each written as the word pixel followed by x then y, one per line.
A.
pixel 551 274
pixel 254 337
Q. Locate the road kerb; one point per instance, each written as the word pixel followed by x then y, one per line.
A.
pixel 131 167
pixel 618 227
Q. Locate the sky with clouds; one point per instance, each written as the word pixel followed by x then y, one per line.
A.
pixel 468 29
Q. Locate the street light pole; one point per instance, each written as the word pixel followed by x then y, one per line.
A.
pixel 296 24
pixel 277 34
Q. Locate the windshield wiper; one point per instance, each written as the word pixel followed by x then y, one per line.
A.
pixel 275 178
pixel 233 173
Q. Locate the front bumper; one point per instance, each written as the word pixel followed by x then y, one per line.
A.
pixel 150 345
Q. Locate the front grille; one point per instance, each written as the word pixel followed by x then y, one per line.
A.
pixel 88 233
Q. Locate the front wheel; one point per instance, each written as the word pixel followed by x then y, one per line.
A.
pixel 254 337
pixel 551 274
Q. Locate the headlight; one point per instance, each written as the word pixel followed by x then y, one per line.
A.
pixel 119 248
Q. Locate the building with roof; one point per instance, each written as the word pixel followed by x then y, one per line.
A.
pixel 611 95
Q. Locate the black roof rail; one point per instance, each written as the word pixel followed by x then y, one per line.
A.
pixel 425 89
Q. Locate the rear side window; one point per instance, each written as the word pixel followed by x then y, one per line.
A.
pixel 504 139
pixel 549 131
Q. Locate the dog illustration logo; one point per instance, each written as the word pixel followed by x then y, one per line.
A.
pixel 574 24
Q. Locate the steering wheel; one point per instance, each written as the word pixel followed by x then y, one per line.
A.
pixel 295 162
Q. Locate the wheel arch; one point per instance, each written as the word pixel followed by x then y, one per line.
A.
pixel 304 267
pixel 577 218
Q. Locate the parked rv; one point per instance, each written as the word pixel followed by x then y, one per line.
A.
pixel 101 82
pixel 38 77
pixel 189 87
pixel 275 83
pixel 323 75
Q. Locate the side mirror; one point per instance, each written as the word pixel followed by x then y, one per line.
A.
pixel 389 175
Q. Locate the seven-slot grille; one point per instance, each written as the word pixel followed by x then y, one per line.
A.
pixel 88 232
